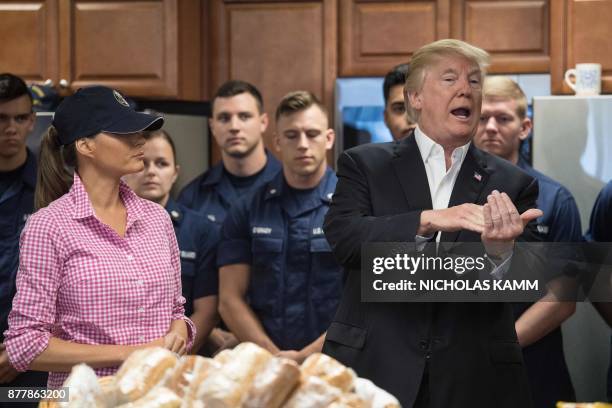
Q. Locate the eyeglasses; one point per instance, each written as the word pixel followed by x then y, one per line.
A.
pixel 20 119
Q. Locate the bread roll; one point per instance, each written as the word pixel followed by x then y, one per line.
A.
pixel 110 392
pixel 84 390
pixel 142 371
pixel 350 400
pixel 375 396
pixel 185 372
pixel 330 370
pixel 224 356
pixel 160 397
pixel 227 386
pixel 273 384
pixel 313 392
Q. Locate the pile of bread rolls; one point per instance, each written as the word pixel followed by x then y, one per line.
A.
pixel 247 376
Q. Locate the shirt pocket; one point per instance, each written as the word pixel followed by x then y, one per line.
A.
pixel 326 273
pixel 264 285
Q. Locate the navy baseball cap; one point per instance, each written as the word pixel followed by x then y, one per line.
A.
pixel 98 109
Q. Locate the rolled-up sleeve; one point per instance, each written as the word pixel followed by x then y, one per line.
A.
pixel 32 316
pixel 178 308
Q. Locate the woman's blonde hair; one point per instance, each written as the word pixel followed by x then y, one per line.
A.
pixel 429 54
pixel 56 166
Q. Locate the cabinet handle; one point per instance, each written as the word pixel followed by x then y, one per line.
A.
pixel 64 83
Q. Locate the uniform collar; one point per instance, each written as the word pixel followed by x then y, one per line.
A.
pixel 176 213
pixel 83 208
pixel 325 189
pixel 216 172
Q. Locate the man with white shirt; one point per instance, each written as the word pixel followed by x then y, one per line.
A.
pixel 433 185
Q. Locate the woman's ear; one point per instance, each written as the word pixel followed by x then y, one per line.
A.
pixel 85 146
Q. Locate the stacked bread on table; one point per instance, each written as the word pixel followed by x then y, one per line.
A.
pixel 247 376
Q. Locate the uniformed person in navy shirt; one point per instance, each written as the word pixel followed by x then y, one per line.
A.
pixel 237 124
pixel 197 237
pixel 600 230
pixel 279 283
pixel 17 183
pixel 503 125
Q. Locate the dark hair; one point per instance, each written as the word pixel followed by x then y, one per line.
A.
pixel 237 87
pixel 161 133
pixel 397 76
pixel 54 169
pixel 12 87
pixel 297 101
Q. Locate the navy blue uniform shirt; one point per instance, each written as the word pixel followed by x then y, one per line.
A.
pixel 212 193
pixel 561 219
pixel 545 361
pixel 295 282
pixel 197 240
pixel 600 230
pixel 16 204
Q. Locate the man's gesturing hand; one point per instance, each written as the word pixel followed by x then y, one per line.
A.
pixel 503 224
pixel 460 217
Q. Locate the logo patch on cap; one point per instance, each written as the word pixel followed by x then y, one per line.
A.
pixel 120 99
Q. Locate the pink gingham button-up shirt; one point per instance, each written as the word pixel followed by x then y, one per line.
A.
pixel 79 281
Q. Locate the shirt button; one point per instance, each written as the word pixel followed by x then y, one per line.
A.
pixel 141 309
pixel 141 339
pixel 130 257
pixel 140 282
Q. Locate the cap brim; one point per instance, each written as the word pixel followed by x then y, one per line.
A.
pixel 135 122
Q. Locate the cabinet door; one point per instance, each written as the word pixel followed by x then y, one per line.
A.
pixel 376 35
pixel 278 46
pixel 580 33
pixel 129 45
pixel 29 39
pixel 514 32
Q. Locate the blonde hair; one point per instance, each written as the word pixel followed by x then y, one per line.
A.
pixel 502 87
pixel 54 173
pixel 429 54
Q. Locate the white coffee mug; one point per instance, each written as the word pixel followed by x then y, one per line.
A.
pixel 587 79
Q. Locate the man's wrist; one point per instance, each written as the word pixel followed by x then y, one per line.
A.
pixel 426 226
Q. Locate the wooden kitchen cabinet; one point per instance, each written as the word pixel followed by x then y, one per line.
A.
pixel 278 46
pixel 580 32
pixel 29 39
pixel 139 47
pixel 375 35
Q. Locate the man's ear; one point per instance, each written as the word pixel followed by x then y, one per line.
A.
pixel 330 137
pixel 526 126
pixel 85 146
pixel 413 99
pixel 264 122
pixel 276 140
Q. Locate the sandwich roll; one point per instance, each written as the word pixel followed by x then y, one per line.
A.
pixel 313 392
pixel 160 397
pixel 329 370
pixel 273 384
pixel 375 396
pixel 142 371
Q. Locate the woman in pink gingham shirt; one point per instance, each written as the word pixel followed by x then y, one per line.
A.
pixel 99 269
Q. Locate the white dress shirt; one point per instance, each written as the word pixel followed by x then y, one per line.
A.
pixel 441 183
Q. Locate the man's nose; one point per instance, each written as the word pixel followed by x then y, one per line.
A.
pixel 302 142
pixel 465 87
pixel 234 122
pixel 491 124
